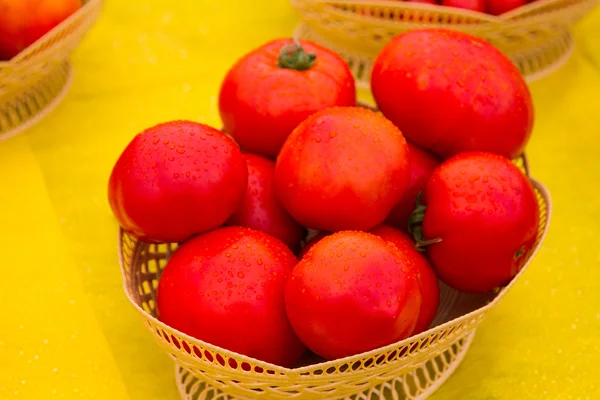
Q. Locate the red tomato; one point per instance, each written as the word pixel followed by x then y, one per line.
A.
pixel 498 7
pixel 450 92
pixel 226 287
pixel 269 91
pixel 342 168
pixel 473 5
pixel 422 163
pixel 261 209
pixel 428 282
pixel 351 293
pixel 485 212
pixel 175 180
pixel 22 22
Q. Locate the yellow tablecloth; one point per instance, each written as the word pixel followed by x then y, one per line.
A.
pixel 66 329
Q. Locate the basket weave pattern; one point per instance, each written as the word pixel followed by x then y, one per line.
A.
pixel 410 369
pixel 33 82
pixel 536 36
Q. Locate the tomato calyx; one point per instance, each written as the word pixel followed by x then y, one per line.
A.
pixel 415 226
pixel 293 56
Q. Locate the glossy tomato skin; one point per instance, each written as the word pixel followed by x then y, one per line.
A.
pixel 472 5
pixel 428 281
pixel 226 287
pixel 175 180
pixel 421 165
pixel 261 210
pixel 485 211
pixel 450 92
pixel 342 168
pixel 351 293
pixel 498 7
pixel 261 103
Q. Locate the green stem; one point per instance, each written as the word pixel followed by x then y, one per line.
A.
pixel 293 56
pixel 415 226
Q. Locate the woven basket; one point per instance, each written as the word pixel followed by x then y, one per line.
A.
pixel 537 37
pixel 411 369
pixel 35 81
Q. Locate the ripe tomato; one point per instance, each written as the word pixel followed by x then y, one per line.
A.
pixel 175 180
pixel 270 90
pixel 342 168
pixel 351 293
pixel 498 7
pixel 450 92
pixel 484 211
pixel 428 282
pixel 473 5
pixel 261 210
pixel 422 163
pixel 23 22
pixel 226 287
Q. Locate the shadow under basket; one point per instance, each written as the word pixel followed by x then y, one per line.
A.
pixel 536 37
pixel 35 81
pixel 410 369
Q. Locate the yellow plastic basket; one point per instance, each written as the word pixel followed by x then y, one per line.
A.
pixel 537 37
pixel 36 80
pixel 410 369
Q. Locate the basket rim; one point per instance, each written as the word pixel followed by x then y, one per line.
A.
pixel 297 372
pixel 19 59
pixel 520 13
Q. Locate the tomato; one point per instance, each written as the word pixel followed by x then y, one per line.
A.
pixel 342 168
pixel 261 210
pixel 483 211
pixel 351 293
pixel 473 5
pixel 428 282
pixel 270 90
pixel 226 287
pixel 23 22
pixel 422 163
pixel 498 7
pixel 450 92
pixel 175 180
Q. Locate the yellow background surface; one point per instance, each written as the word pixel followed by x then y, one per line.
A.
pixel 66 329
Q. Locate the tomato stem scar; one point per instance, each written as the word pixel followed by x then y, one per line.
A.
pixel 415 226
pixel 293 56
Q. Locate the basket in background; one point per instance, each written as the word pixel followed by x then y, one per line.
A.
pixel 36 80
pixel 537 36
pixel 408 370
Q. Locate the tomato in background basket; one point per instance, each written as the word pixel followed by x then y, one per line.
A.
pixel 342 168
pixel 261 210
pixel 351 293
pixel 450 92
pixel 480 221
pixel 175 180
pixel 226 287
pixel 498 7
pixel 428 281
pixel 270 90
pixel 472 5
pixel 22 22
pixel 422 163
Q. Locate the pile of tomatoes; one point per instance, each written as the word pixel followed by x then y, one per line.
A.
pixel 315 223
pixel 492 7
